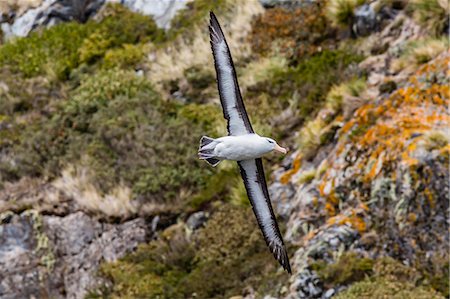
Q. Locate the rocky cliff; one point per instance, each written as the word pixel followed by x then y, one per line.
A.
pixel 102 104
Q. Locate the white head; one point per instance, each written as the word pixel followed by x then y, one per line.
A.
pixel 273 145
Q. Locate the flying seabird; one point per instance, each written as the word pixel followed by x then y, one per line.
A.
pixel 242 144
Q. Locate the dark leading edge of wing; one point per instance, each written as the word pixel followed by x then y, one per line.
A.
pixel 230 95
pixel 255 183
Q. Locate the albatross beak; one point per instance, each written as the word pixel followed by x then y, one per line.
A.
pixel 280 149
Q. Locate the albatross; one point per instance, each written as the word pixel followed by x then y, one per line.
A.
pixel 242 144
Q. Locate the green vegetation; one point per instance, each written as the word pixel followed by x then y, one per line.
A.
pixel 347 269
pixel 341 12
pixel 116 125
pixel 419 52
pixel 432 14
pixel 391 279
pixel 60 49
pixel 293 33
pixel 313 77
pixel 341 95
pixel 193 15
pixel 222 260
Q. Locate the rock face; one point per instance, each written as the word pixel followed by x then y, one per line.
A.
pixel 373 204
pixel 58 257
pixel 22 19
pixel 162 11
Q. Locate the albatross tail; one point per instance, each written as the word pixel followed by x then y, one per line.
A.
pixel 206 151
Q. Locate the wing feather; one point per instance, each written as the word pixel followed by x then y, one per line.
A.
pixel 233 107
pixel 252 172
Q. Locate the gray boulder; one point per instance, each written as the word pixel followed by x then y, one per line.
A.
pixel 58 257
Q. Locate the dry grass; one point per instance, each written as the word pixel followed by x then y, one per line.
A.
pixel 343 95
pixel 420 52
pixel 260 70
pixel 310 136
pixel 169 63
pixel 75 183
pixel 431 14
pixel 341 12
pixel 19 6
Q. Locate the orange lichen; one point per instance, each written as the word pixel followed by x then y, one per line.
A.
pixel 381 137
pixel 330 209
pixel 353 220
pixel 295 168
pixel 412 217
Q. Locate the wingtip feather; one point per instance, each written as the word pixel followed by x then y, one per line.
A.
pixel 281 255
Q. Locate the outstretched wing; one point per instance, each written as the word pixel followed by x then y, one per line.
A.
pixel 230 95
pixel 255 183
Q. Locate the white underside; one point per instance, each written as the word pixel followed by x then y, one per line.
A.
pixel 239 148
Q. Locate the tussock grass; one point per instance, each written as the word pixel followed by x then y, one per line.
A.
pixel 341 12
pixel 76 183
pixel 261 69
pixel 420 52
pixel 431 14
pixel 346 96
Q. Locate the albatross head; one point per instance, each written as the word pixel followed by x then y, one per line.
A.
pixel 275 147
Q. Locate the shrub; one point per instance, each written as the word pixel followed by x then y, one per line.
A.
pixel 294 33
pixel 391 279
pixel 420 52
pixel 119 27
pixel 194 14
pixel 432 14
pixel 117 126
pixel 308 82
pixel 124 57
pixel 60 49
pixel 340 94
pixel 53 49
pixel 347 269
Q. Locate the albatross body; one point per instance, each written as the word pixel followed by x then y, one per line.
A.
pixel 238 148
pixel 242 144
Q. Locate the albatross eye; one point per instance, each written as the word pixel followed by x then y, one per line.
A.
pixel 270 141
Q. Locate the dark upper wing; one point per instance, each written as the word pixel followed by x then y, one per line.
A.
pixel 230 96
pixel 255 183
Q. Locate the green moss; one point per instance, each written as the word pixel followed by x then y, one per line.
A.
pixel 226 256
pixel 349 268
